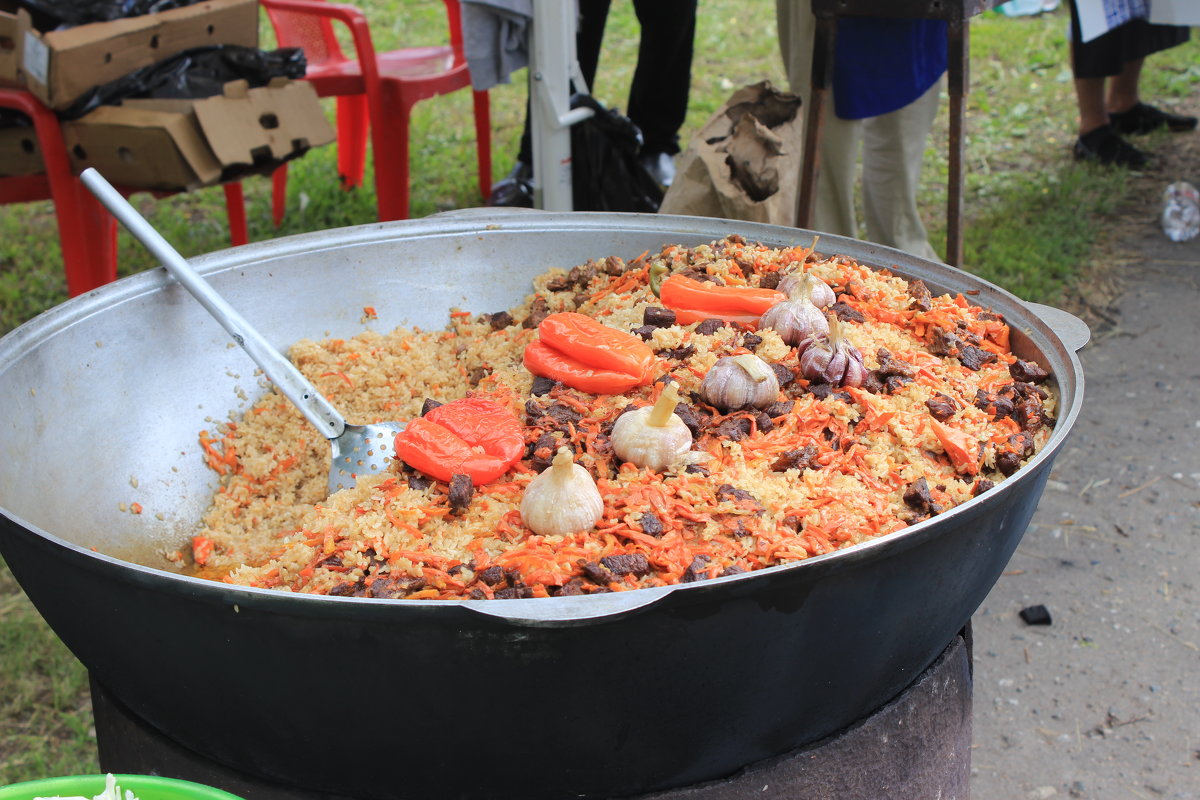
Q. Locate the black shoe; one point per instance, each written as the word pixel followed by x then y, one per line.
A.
pixel 1145 119
pixel 516 189
pixel 660 166
pixel 1105 146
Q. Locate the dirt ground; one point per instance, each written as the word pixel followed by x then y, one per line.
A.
pixel 1104 702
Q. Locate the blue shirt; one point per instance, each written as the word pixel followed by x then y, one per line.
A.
pixel 883 64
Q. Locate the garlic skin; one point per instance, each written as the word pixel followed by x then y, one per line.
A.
pixel 738 381
pixel 653 437
pixel 798 318
pixel 562 500
pixel 819 292
pixel 833 360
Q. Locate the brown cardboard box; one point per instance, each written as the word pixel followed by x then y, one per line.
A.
pixel 174 145
pixel 59 66
pixel 9 52
pixel 19 152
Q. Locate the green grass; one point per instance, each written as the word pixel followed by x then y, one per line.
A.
pixel 44 703
pixel 1035 221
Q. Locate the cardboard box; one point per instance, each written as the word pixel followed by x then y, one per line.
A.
pixel 60 66
pixel 9 52
pixel 19 152
pixel 175 145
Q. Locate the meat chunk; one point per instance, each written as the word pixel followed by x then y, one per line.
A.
pixel 942 407
pixel 461 490
pixel 890 365
pixel 974 358
pixel 658 317
pixel 917 498
pixel 943 342
pixel 783 374
pixel 847 313
pixel 651 524
pixel 695 570
pixel 539 309
pixel 804 458
pixel 1027 372
pixel 922 298
pixel 627 564
pixel 500 320
pixel 735 428
pixel 707 327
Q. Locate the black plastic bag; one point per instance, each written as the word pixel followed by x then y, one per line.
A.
pixel 11 118
pixel 606 174
pixel 52 14
pixel 193 74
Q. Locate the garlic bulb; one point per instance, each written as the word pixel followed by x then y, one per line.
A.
pixel 562 500
pixel 833 360
pixel 797 318
pixel 654 436
pixel 818 290
pixel 737 381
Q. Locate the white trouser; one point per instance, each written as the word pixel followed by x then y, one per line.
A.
pixel 893 146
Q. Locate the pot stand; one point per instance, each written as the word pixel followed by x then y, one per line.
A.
pixel 916 746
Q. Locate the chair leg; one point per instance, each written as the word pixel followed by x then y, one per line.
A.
pixel 235 209
pixel 390 147
pixel 89 240
pixel 352 130
pixel 483 142
pixel 279 180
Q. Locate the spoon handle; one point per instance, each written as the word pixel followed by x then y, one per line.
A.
pixel 277 367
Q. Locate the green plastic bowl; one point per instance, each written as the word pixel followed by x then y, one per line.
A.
pixel 145 787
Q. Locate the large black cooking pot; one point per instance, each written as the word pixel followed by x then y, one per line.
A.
pixel 595 696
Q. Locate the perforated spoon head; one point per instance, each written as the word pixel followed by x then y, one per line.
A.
pixel 361 451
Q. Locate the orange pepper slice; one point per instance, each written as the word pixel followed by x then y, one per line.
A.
pixel 693 301
pixel 471 436
pixel 588 355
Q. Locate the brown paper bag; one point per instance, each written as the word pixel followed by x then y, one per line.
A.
pixel 745 162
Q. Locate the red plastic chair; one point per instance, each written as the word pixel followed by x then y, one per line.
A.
pixel 86 231
pixel 375 93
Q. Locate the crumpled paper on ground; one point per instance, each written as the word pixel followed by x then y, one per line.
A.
pixel 744 163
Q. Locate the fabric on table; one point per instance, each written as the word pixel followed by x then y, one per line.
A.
pixel 495 39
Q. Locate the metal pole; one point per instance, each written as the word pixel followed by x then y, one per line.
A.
pixel 553 68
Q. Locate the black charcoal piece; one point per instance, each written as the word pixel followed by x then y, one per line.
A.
pixel 1035 615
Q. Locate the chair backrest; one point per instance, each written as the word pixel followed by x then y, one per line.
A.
pixel 315 35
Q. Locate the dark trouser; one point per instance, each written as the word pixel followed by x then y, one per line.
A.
pixel 658 96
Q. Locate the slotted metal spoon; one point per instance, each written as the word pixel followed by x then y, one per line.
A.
pixel 358 450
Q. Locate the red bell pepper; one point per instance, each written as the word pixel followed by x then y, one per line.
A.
pixel 471 436
pixel 588 355
pixel 693 301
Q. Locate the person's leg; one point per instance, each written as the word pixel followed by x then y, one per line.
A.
pixel 833 207
pixel 893 150
pixel 1123 88
pixel 1097 66
pixel 593 16
pixel 1089 96
pixel 658 94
